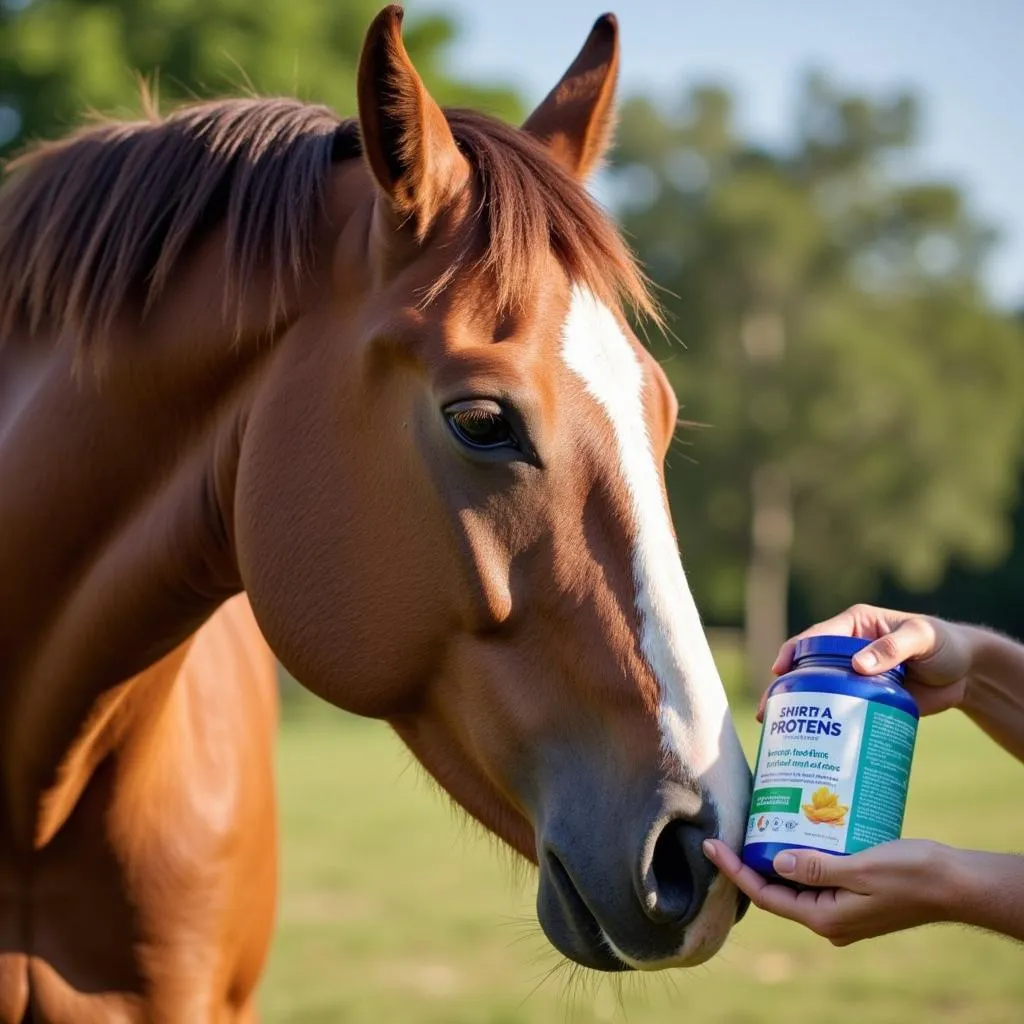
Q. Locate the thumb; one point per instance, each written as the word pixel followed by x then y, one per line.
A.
pixel 912 638
pixel 809 867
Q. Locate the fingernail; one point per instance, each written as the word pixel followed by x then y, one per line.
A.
pixel 867 659
pixel 709 849
pixel 785 864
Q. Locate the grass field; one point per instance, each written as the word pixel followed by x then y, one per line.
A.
pixel 394 910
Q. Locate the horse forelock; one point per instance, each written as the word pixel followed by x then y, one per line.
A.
pixel 95 224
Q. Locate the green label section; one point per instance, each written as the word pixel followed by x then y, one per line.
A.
pixel 883 772
pixel 779 799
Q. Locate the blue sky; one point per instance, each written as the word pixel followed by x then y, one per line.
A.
pixel 964 57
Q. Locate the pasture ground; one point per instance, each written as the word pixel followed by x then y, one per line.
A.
pixel 396 911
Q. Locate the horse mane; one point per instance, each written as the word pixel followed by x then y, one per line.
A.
pixel 95 222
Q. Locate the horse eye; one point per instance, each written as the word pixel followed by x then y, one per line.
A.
pixel 481 429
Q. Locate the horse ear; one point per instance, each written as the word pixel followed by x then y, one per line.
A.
pixel 406 138
pixel 577 118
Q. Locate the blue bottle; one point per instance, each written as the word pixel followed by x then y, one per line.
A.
pixel 834 759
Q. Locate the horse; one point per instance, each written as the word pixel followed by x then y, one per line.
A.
pixel 362 396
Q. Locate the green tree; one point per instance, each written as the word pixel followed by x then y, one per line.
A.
pixel 862 396
pixel 59 58
pixel 994 596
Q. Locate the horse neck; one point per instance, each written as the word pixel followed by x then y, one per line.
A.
pixel 118 528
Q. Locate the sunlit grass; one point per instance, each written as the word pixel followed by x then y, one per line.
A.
pixel 395 910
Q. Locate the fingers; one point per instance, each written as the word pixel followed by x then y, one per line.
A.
pixel 839 625
pixel 784 659
pixel 809 867
pixel 808 908
pixel 912 638
pixel 744 878
pixel 762 704
pixel 898 636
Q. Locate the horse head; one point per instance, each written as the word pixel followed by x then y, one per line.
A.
pixel 451 511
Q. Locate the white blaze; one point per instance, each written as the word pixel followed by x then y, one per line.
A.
pixel 696 728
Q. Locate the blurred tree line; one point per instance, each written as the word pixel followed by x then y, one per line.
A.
pixel 60 58
pixel 858 397
pixel 861 395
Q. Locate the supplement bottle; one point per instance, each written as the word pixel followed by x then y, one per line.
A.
pixel 834 759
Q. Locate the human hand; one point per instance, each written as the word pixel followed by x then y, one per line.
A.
pixel 939 654
pixel 884 889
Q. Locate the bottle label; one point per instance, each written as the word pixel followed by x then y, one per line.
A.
pixel 832 772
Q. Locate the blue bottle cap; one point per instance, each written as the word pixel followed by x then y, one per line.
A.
pixel 836 646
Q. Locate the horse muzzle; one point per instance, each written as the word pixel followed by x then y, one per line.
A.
pixel 617 894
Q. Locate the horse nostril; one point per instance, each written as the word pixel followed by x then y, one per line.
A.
pixel 679 874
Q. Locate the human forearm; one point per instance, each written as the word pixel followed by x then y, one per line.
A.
pixel 987 890
pixel 994 697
